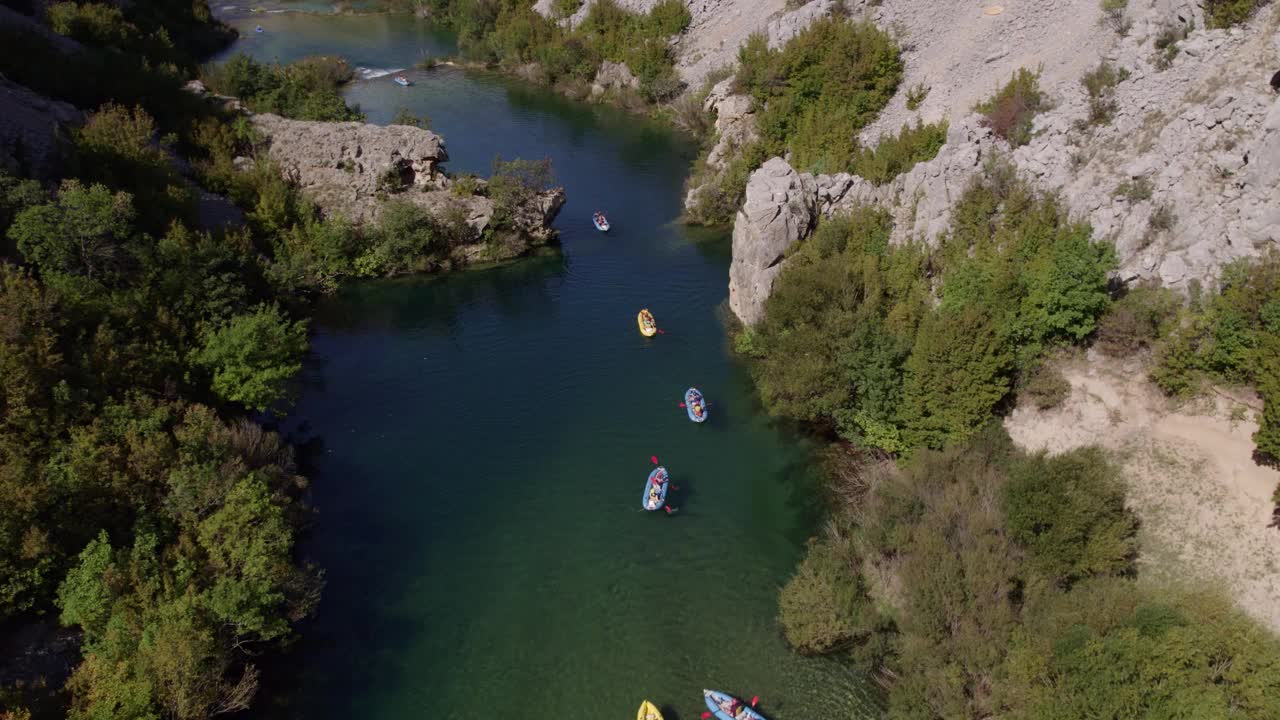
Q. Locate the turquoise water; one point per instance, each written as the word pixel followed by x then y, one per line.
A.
pixel 483 441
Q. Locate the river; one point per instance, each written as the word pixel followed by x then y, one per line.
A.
pixel 482 440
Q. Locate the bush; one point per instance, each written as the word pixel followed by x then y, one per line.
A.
pixel 1234 338
pixel 1113 14
pixel 253 357
pixel 1225 13
pixel 91 23
pixel 896 154
pixel 565 8
pixel 305 90
pixel 1045 387
pixel 814 94
pixel 1012 110
pixel 916 95
pixel 719 195
pixel 1094 652
pixel 1138 320
pixel 1068 511
pixel 1100 84
pixel 515 184
pixel 1136 190
pixel 823 607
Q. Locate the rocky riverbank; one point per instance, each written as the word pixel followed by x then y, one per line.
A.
pixel 1181 175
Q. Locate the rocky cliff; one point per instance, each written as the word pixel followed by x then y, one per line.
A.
pixel 1200 134
pixel 34 137
pixel 352 169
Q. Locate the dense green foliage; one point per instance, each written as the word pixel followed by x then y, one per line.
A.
pixel 983 582
pixel 896 154
pixel 1010 112
pixel 824 606
pixel 852 339
pixel 511 34
pixel 1234 338
pixel 304 90
pixel 814 94
pixel 1225 13
pixel 811 98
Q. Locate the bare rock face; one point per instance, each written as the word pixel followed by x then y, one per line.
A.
pixel 613 76
pixel 735 127
pixel 344 167
pixel 33 132
pixel 351 169
pixel 781 208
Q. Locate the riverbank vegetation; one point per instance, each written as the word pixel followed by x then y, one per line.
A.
pixel 141 501
pixel 884 365
pixel 511 35
pixel 811 98
pixel 304 90
pixel 980 581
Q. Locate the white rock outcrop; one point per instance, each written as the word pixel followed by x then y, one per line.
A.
pixel 1200 140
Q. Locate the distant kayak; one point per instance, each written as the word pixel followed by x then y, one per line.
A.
pixel 402 80
pixel 258 29
pixel 695 405
pixel 648 711
pixel 648 326
pixel 655 489
pixel 601 222
pixel 727 707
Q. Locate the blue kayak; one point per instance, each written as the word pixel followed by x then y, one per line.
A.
pixel 727 707
pixel 693 399
pixel 655 497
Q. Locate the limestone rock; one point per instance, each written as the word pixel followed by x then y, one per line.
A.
pixel 33 132
pixel 352 168
pixel 781 208
pixel 613 76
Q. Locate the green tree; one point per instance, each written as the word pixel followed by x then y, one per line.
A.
pixel 824 605
pixel 958 370
pixel 253 356
pixel 83 232
pixel 1068 511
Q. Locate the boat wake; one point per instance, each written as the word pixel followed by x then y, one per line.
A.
pixel 371 73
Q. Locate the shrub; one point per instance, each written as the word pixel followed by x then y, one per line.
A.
pixel 565 8
pixel 1136 190
pixel 92 23
pixel 1092 653
pixel 1045 386
pixel 896 154
pixel 253 356
pixel 823 607
pixel 1068 511
pixel 1100 84
pixel 305 90
pixel 1012 110
pixel 1113 14
pixel 117 147
pixel 1138 320
pixel 1225 13
pixel 916 95
pixel 1166 44
pixel 719 196
pixel 814 94
pixel 515 184
pixel 1234 338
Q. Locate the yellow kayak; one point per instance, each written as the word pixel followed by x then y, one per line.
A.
pixel 648 326
pixel 648 711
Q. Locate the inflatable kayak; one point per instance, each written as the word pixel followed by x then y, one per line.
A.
pixel 648 711
pixel 655 489
pixel 648 326
pixel 601 222
pixel 727 707
pixel 402 80
pixel 695 405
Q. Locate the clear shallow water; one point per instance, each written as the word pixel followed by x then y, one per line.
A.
pixel 484 439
